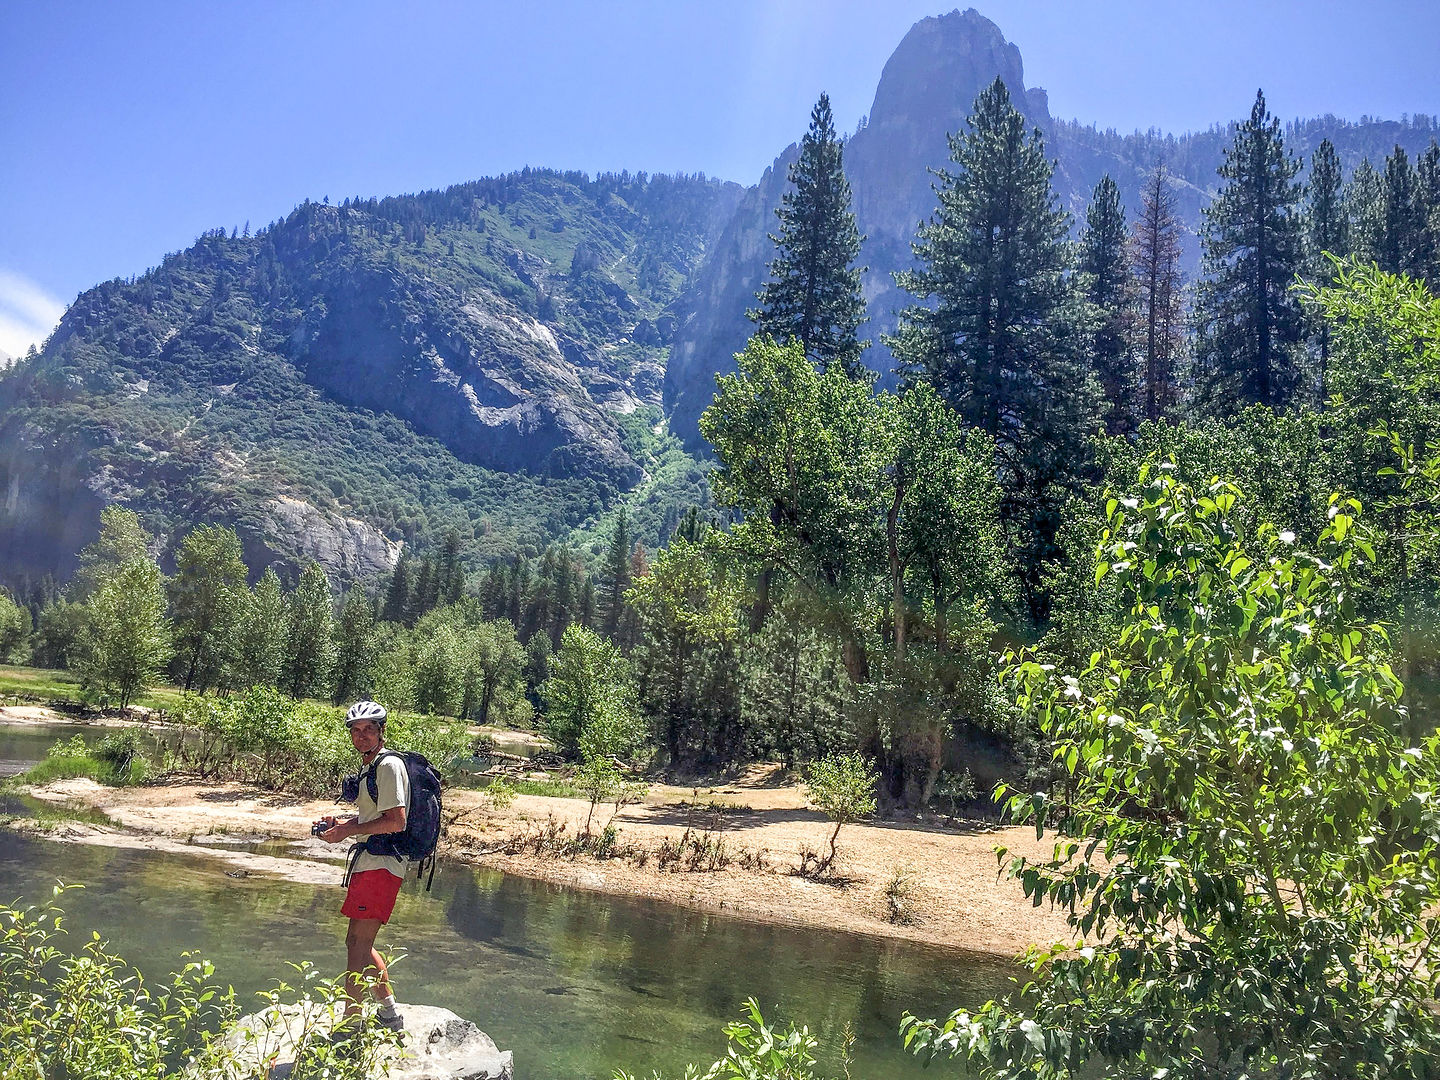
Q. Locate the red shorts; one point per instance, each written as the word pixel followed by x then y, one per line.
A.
pixel 371 895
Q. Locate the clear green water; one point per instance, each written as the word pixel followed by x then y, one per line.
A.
pixel 576 984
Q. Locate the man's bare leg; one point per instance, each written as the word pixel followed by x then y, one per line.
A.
pixel 362 962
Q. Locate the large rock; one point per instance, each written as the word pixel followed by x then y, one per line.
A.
pixel 438 1046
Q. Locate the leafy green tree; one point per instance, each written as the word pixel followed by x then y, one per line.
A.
pixel 354 647
pixel 122 538
pixel 59 634
pixel 1156 247
pixel 128 637
pixel 1248 322
pixel 14 626
pixel 1109 287
pixel 590 706
pixel 687 666
pixel 258 656
pixel 309 637
pixel 1001 329
pixel 207 596
pixel 1245 839
pixel 439 670
pixel 495 676
pixel 813 295
pixel 1327 235
pixel 843 789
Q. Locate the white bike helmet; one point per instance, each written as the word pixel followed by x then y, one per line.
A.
pixel 369 711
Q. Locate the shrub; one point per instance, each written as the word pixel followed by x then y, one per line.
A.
pixel 843 788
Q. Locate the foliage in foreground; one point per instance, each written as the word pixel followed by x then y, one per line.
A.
pixel 757 1051
pixel 88 1014
pixel 1245 831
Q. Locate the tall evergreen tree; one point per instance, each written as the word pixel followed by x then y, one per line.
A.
pixel 1108 287
pixel 1327 232
pixel 398 595
pixel 1427 199
pixel 617 578
pixel 1155 250
pixel 1402 224
pixel 450 573
pixel 1001 330
pixel 309 645
pixel 1249 324
pixel 1365 212
pixel 354 647
pixel 813 295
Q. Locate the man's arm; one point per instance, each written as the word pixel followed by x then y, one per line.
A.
pixel 391 821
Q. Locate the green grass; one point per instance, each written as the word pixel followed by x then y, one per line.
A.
pixel 48 684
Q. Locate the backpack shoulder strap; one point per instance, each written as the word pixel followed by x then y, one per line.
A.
pixel 373 786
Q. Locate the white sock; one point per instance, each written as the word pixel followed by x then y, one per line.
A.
pixel 387 1006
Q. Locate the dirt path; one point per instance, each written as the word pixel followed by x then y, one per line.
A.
pixel 953 898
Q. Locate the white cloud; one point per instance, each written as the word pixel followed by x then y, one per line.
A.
pixel 27 315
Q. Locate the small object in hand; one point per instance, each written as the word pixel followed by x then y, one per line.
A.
pixel 320 827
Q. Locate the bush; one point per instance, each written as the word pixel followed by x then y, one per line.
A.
pixel 843 787
pixel 90 1014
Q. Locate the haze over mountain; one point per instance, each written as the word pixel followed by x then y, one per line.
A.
pixel 495 356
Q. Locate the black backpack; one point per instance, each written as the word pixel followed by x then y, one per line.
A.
pixel 422 815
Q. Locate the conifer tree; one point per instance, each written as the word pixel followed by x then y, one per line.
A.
pixel 1108 288
pixel 397 596
pixel 1365 212
pixel 1001 329
pixel 1155 250
pixel 1402 224
pixel 617 578
pixel 450 573
pixel 1249 324
pixel 354 647
pixel 1326 233
pixel 309 647
pixel 1427 200
pixel 813 295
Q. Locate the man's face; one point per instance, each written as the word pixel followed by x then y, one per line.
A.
pixel 365 736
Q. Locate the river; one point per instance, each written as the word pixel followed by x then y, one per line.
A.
pixel 576 984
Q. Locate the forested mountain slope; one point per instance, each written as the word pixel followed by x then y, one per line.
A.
pixel 488 357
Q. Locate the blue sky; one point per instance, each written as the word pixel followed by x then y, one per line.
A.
pixel 127 128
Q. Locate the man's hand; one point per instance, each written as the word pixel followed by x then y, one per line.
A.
pixel 338 831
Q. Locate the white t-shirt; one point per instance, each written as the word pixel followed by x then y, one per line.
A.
pixel 392 786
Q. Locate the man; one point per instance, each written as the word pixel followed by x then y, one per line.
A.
pixel 372 881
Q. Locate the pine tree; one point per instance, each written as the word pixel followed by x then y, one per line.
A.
pixel 1155 249
pixel 1327 233
pixel 354 647
pixel 309 645
pixel 1001 330
pixel 1365 212
pixel 1427 201
pixel 617 578
pixel 397 596
pixel 813 295
pixel 1249 324
pixel 1108 288
pixel 450 573
pixel 1401 232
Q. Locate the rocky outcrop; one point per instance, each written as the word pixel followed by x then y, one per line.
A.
pixel 438 1046
pixel 346 548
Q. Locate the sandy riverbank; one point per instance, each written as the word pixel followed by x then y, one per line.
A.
pixel 955 899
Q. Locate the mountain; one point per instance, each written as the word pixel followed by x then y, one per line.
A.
pixel 511 357
pixel 489 357
pixel 925 92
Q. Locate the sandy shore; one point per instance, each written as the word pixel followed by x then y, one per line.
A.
pixel 954 898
